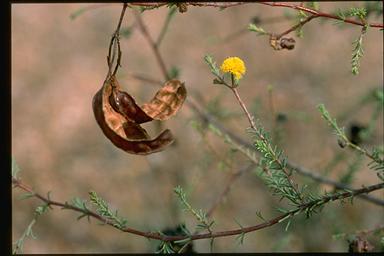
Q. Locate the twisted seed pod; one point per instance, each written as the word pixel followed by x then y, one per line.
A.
pixel 167 101
pixel 119 116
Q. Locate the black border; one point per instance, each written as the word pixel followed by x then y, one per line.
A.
pixel 6 186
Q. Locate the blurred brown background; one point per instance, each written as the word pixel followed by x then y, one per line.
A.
pixel 58 64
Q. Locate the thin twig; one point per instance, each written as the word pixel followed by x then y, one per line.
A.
pixel 261 136
pixel 152 44
pixel 299 169
pixel 234 176
pixel 114 46
pixel 364 151
pixel 155 235
pixel 243 31
pixel 322 14
pixel 146 79
pixel 300 24
pixel 273 4
pixel 219 5
pixel 152 5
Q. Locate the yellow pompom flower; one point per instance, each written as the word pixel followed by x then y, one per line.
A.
pixel 233 65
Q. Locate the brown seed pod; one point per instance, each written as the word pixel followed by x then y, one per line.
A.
pixel 119 116
pixel 124 104
pixel 183 7
pixel 167 101
pixel 281 43
pixel 287 43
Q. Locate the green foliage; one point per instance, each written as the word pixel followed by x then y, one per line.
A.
pixel 28 233
pixel 301 16
pixel 332 122
pixel 212 65
pixel 201 216
pixel 260 31
pixel 377 163
pixel 180 246
pixel 274 160
pixel 279 185
pixel 259 214
pixel 103 210
pixel 313 5
pixel 166 248
pixel 356 12
pixel 360 13
pixel 241 236
pixel 357 52
pixel 81 204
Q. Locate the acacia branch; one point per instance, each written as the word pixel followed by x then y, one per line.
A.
pixel 299 169
pixel 157 236
pixel 273 4
pixel 152 5
pixel 300 24
pixel 114 46
pixel 322 14
pixel 262 137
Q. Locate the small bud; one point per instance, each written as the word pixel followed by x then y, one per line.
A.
pixel 183 7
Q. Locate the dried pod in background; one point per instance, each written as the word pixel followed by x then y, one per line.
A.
pixel 281 43
pixel 287 43
pixel 119 116
pixel 183 7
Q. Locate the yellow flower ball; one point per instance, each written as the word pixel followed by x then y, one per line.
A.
pixel 233 65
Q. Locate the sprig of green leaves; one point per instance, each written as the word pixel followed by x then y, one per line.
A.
pixel 103 210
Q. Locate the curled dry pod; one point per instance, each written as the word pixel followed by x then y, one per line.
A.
pixel 167 101
pixel 119 116
pixel 124 104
